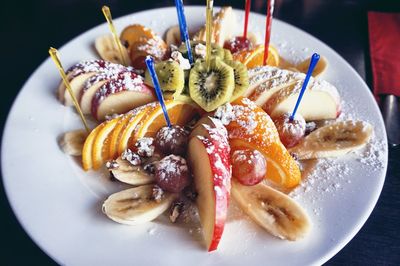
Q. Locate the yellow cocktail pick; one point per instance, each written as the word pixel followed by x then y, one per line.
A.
pixel 54 55
pixel 107 15
pixel 209 13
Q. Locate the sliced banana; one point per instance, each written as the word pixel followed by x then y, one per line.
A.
pixel 72 142
pixel 333 140
pixel 272 210
pixel 130 174
pixel 108 50
pixel 173 36
pixel 319 68
pixel 137 205
pixel 254 38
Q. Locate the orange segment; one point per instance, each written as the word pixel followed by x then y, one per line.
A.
pixel 255 57
pixel 180 113
pixel 253 128
pixel 132 125
pixel 87 161
pixel 100 152
pixel 117 134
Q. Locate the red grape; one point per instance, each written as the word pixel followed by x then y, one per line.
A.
pixel 172 140
pixel 290 131
pixel 248 166
pixel 172 173
pixel 237 44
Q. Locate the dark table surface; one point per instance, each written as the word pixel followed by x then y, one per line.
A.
pixel 29 28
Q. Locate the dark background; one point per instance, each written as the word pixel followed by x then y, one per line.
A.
pixel 28 28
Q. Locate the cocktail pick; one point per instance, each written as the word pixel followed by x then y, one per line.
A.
pixel 313 63
pixel 268 24
pixel 150 66
pixel 183 28
pixel 54 55
pixel 209 13
pixel 107 15
pixel 246 18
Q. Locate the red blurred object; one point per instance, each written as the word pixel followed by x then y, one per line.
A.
pixel 237 44
pixel 384 43
pixel 246 18
pixel 268 24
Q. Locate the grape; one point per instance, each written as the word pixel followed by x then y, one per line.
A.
pixel 237 44
pixel 172 174
pixel 248 166
pixel 172 140
pixel 290 131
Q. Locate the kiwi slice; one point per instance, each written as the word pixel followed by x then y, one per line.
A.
pixel 241 78
pixel 216 51
pixel 227 55
pixel 211 87
pixel 170 75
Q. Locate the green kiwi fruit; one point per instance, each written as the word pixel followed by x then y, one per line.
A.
pixel 241 78
pixel 170 75
pixel 227 55
pixel 216 51
pixel 213 86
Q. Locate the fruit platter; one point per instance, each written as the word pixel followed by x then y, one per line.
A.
pixel 206 140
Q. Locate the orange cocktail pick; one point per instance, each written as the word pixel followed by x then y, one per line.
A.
pixel 54 55
pixel 107 15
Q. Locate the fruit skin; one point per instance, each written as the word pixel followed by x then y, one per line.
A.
pixel 212 179
pixel 252 128
pixel 290 132
pixel 121 95
pixel 202 87
pixel 249 167
pixel 172 174
pixel 241 78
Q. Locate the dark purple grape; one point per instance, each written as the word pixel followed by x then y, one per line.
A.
pixel 172 140
pixel 172 173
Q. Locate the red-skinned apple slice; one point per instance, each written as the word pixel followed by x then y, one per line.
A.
pixel 78 75
pixel 120 95
pixel 320 101
pixel 212 179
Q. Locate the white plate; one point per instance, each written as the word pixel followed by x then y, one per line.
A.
pixel 60 206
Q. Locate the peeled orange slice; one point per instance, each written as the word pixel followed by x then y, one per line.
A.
pixel 255 57
pixel 253 128
pixel 180 113
pixel 100 152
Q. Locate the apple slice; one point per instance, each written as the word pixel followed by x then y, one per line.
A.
pixel 78 74
pixel 211 177
pixel 120 95
pixel 320 101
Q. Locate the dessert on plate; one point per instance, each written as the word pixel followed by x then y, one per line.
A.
pixel 232 135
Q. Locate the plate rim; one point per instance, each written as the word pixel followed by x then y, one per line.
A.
pixel 322 259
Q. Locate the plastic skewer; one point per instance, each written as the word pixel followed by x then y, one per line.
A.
pixel 246 18
pixel 107 15
pixel 54 55
pixel 150 66
pixel 183 28
pixel 268 24
pixel 209 13
pixel 313 62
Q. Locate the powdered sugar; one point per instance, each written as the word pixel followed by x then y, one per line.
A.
pixel 145 147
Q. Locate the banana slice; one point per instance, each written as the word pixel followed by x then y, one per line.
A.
pixel 272 210
pixel 333 140
pixel 72 142
pixel 130 174
pixel 254 38
pixel 319 68
pixel 137 205
pixel 173 36
pixel 108 50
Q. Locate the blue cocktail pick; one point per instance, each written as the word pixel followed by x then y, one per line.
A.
pixel 313 63
pixel 183 28
pixel 150 66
